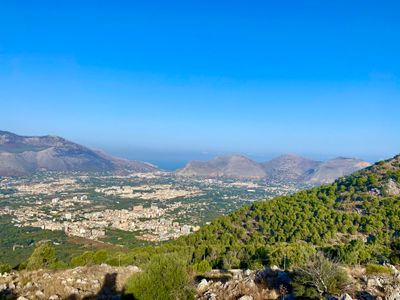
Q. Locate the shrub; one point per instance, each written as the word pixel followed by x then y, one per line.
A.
pixel 318 278
pixel 44 256
pixel 164 278
pixel 372 269
pixel 202 267
pixel 85 259
pixel 5 268
pixel 100 257
pixel 58 265
pixel 255 265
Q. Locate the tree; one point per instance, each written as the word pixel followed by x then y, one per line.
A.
pixel 164 278
pixel 85 259
pixel 202 267
pixel 318 278
pixel 44 256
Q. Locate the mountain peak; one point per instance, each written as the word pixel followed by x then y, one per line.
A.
pixel 22 155
pixel 287 167
pixel 234 166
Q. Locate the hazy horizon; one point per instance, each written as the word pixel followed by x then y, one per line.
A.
pixel 169 160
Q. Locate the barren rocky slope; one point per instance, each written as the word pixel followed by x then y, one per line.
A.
pixel 285 168
pixel 235 166
pixel 23 155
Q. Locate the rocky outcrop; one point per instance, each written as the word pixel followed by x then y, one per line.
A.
pixel 244 285
pixel 274 283
pixel 95 282
pixel 392 188
pixel 384 286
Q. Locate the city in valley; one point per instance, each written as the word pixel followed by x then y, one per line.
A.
pixel 151 207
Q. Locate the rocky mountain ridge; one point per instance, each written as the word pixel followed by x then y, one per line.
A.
pixel 236 166
pixel 23 155
pixel 286 167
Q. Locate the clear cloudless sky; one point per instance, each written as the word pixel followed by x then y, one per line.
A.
pixel 175 80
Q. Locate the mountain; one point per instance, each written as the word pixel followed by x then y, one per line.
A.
pixel 22 155
pixel 287 167
pixel 235 166
pixel 328 171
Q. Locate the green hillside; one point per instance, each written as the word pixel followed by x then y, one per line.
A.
pixel 354 220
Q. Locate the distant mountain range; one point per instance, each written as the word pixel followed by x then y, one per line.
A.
pixel 23 155
pixel 235 166
pixel 285 167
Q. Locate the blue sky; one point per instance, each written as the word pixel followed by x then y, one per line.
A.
pixel 175 80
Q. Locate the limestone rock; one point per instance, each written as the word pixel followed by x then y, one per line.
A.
pixel 202 286
pixel 246 298
pixel 345 296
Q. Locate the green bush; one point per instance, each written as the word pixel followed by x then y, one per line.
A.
pixel 58 265
pixel 202 267
pixel 164 278
pixel 318 278
pixel 44 256
pixel 5 268
pixel 100 257
pixel 85 259
pixel 255 265
pixel 372 269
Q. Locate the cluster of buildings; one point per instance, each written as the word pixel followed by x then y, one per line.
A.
pixel 87 205
pixel 78 216
pixel 159 192
pixel 49 187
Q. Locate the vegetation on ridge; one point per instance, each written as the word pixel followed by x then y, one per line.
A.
pixel 355 220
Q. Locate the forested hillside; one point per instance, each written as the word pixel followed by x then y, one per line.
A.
pixel 355 220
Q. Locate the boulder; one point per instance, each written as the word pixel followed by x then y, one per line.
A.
pixel 394 294
pixel 275 268
pixel 202 286
pixel 39 295
pixel 345 296
pixel 246 298
pixel 212 297
pixel 3 287
pixel 247 272
pixel 373 282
